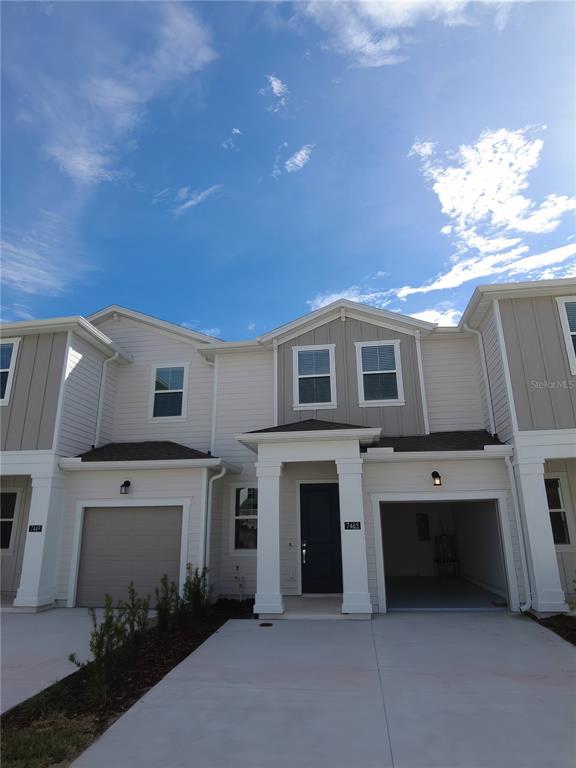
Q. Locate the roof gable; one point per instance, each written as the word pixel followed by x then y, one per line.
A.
pixel 163 325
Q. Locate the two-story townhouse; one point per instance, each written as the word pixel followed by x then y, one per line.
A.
pixel 353 453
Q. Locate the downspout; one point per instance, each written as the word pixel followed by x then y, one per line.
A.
pixel 208 520
pixel 112 359
pixel 520 527
pixel 485 375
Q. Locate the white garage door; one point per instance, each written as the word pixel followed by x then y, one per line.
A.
pixel 124 544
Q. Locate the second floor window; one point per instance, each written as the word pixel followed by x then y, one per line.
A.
pixel 168 392
pixel 314 378
pixel 379 374
pixel 567 308
pixel 8 350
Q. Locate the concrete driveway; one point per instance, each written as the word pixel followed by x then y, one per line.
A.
pixel 405 690
pixel 35 648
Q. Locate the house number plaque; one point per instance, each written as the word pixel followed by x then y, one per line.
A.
pixel 352 525
pixel 34 529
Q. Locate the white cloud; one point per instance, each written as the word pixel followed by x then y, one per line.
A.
pixel 299 159
pixel 194 325
pixel 251 326
pixel 192 199
pixel 355 293
pixel 279 92
pixel 88 120
pixel 211 331
pixel 28 270
pixel 439 316
pixel 236 132
pixel 374 34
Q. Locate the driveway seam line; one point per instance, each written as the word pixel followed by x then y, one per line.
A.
pixel 382 695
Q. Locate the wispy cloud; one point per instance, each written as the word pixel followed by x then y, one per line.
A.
pixel 278 91
pixel 355 293
pixel 299 159
pixel 194 325
pixel 190 199
pixel 230 143
pixel 376 34
pixel 439 316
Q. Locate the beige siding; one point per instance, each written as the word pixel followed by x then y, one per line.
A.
pixel 81 394
pixel 395 420
pixel 244 401
pixel 494 364
pixel 167 486
pixel 132 412
pixel 28 420
pixel 544 389
pixel 453 382
pixel 413 477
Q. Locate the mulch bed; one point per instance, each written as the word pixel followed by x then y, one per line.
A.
pixel 65 713
pixel 562 625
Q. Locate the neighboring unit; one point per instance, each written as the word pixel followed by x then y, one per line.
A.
pixel 355 459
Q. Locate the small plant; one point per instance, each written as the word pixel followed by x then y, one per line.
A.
pixel 194 596
pixel 134 614
pixel 167 604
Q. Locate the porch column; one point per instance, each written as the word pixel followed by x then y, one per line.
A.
pixel 39 564
pixel 268 595
pixel 547 593
pixel 356 597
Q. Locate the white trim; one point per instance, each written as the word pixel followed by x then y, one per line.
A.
pixel 101 395
pixel 13 543
pixel 15 344
pixel 366 436
pixel 61 394
pixel 214 406
pixel 567 508
pixel 444 495
pixel 232 551
pixel 422 385
pixel 296 376
pixel 562 301
pixel 81 506
pixel 505 366
pixel 275 383
pixel 162 325
pixel 389 454
pixel 76 464
pixel 362 402
pixel 168 419
pixel 487 390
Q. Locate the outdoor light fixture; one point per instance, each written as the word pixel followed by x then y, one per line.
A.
pixel 125 487
pixel 436 478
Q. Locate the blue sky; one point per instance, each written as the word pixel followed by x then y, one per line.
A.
pixel 230 166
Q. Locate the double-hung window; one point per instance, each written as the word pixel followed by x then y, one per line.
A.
pixel 169 389
pixel 379 373
pixel 8 352
pixel 314 377
pixel 8 501
pixel 567 309
pixel 557 509
pixel 245 518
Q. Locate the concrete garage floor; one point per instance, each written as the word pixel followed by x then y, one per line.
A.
pixel 432 593
pixel 35 648
pixel 451 690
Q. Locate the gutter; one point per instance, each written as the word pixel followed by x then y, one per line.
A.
pixel 208 516
pixel 113 359
pixel 77 465
pixel 485 375
pixel 519 525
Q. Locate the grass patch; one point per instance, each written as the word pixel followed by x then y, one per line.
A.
pixel 47 741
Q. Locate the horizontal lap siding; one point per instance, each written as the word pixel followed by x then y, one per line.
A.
pixel 453 382
pixel 162 484
pixel 29 418
pixel 149 348
pixel 81 395
pixel 414 477
pixel 495 367
pixel 109 404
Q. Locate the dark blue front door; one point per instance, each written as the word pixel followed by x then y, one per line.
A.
pixel 320 538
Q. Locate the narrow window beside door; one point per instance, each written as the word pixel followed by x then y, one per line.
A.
pixel 169 387
pixel 7 511
pixel 557 511
pixel 246 518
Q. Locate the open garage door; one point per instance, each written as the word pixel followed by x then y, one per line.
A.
pixel 124 544
pixel 443 556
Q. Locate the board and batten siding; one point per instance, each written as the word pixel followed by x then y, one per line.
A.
pixel 543 386
pixel 244 401
pixel 82 379
pixel 495 367
pixel 454 383
pixel 405 419
pixel 28 420
pixel 151 347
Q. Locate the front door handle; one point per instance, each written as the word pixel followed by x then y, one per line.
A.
pixel 304 553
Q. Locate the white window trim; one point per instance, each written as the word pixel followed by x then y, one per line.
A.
pixel 11 549
pixel 362 402
pixel 168 419
pixel 562 301
pixel 232 538
pixel 16 342
pixel 298 406
pixel 567 508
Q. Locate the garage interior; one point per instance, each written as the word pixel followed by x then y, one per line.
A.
pixel 443 556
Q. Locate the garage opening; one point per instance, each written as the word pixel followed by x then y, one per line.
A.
pixel 127 544
pixel 443 556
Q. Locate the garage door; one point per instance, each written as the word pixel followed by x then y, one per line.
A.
pixel 120 545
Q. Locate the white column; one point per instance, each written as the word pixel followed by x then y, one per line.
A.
pixel 268 595
pixel 547 593
pixel 38 580
pixel 356 597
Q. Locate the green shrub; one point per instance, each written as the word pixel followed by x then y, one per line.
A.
pixel 167 604
pixel 134 614
pixel 195 593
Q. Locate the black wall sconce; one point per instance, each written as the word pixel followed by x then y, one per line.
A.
pixel 125 487
pixel 436 478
